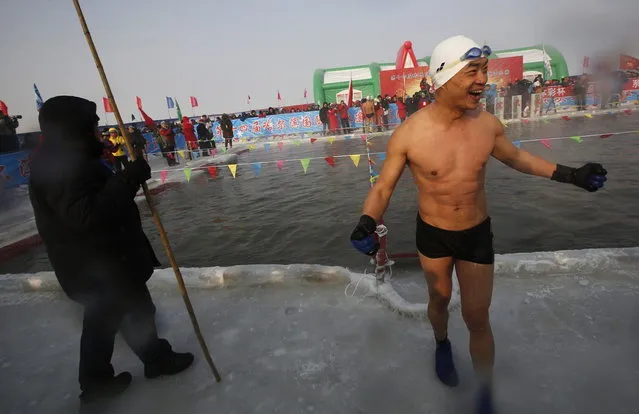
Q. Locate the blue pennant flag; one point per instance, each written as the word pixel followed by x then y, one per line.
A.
pixel 257 167
pixel 348 137
pixel 382 156
pixel 517 144
pixel 267 147
pixel 170 103
pixel 196 154
pixel 39 100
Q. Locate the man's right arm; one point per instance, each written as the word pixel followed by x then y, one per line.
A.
pixel 379 196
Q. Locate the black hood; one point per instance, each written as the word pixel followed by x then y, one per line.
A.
pixel 68 123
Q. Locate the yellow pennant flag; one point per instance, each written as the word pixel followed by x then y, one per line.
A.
pixel 577 138
pixel 233 168
pixel 305 163
pixel 251 147
pixel 297 142
pixel 355 159
pixel 181 152
pixel 588 116
pixel 331 140
pixel 187 173
pixel 243 140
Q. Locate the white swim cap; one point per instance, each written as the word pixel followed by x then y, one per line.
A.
pixel 445 63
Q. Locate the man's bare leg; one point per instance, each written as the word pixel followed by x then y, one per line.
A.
pixel 438 274
pixel 476 287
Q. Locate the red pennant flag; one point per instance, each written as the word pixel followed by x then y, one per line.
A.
pixel 194 103
pixel 138 102
pixel 525 121
pixel 213 172
pixel 605 136
pixel 330 161
pixel 313 140
pixel 566 118
pixel 280 145
pixel 364 138
pixel 628 111
pixel 280 164
pixel 107 105
pixel 150 123
pixel 3 108
pixel 586 62
pixel 279 97
pixel 545 142
pixel 163 175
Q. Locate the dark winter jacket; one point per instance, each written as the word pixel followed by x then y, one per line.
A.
pixel 85 214
pixel 227 127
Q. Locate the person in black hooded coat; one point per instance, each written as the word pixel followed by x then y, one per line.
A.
pixel 91 228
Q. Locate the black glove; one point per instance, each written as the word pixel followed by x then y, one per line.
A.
pixel 137 172
pixel 362 237
pixel 590 177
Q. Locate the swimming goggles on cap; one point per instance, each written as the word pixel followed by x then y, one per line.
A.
pixel 472 53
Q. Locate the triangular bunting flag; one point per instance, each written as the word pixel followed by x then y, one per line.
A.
pixel 267 147
pixel 605 136
pixel 381 156
pixel 214 152
pixel 566 118
pixel 196 154
pixel 330 161
pixel 163 175
pixel 313 140
pixel 305 163
pixel 577 138
pixel 525 121
pixel 213 172
pixel 545 142
pixel 627 111
pixel 181 152
pixel 355 159
pixel 517 143
pixel 257 167
pixel 347 137
pixel 331 140
pixel 187 173
pixel 279 164
pixel 280 145
pixel 589 116
pixel 364 138
pixel 297 142
pixel 233 168
pixel 251 147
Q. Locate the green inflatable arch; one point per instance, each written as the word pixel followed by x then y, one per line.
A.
pixel 369 85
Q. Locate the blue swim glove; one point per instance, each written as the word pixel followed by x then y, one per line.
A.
pixel 363 236
pixel 591 176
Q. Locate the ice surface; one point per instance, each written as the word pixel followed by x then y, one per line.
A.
pixel 290 339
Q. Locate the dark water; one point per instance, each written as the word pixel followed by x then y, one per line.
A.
pixel 291 217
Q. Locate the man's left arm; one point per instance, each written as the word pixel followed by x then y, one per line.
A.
pixel 518 159
pixel 590 176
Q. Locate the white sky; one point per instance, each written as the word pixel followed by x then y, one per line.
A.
pixel 221 51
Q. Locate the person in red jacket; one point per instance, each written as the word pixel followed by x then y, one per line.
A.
pixel 189 136
pixel 333 123
pixel 343 114
pixel 167 143
pixel 401 109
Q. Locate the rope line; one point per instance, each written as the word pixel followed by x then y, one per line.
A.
pixel 367 153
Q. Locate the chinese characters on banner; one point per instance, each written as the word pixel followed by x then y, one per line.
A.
pixel 14 168
pixel 503 71
pixel 628 62
pixel 403 82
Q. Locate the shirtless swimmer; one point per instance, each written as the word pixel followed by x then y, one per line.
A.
pixel 446 145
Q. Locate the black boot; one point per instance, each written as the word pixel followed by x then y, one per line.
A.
pixel 108 388
pixel 485 401
pixel 444 366
pixel 170 364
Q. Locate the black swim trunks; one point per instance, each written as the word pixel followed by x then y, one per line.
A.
pixel 473 245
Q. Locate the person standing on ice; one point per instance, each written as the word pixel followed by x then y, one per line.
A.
pixel 227 131
pixel 91 228
pixel 447 145
pixel 189 136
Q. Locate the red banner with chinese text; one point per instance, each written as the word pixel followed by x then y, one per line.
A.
pixel 503 71
pixel 403 82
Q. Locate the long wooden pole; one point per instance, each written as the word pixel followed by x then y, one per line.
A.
pixel 147 194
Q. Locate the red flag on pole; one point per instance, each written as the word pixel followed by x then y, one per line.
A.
pixel 107 105
pixel 147 119
pixel 279 97
pixel 350 92
pixel 586 62
pixel 138 102
pixel 3 108
pixel 194 102
pixel 248 101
